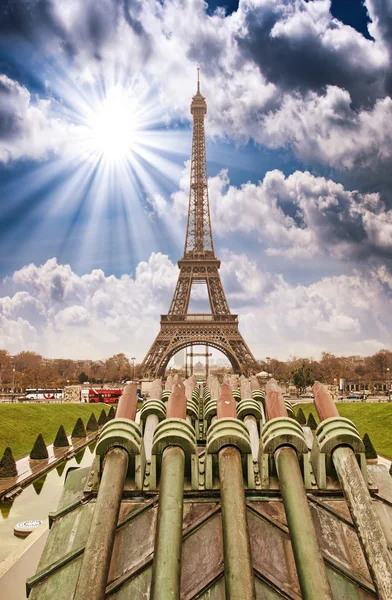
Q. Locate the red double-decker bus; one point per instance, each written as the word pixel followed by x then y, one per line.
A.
pixel 100 395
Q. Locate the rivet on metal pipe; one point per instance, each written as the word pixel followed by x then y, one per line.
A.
pixel 307 554
pixel 166 576
pixel 98 551
pixel 359 502
pixel 239 579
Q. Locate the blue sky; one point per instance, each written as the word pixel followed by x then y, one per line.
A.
pixel 299 132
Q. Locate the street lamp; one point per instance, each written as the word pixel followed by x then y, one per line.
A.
pixel 133 367
pixel 389 384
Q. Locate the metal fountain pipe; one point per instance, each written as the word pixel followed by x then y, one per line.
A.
pixel 188 393
pixel 214 392
pixel 152 421
pixel 254 384
pixel 250 420
pixel 233 382
pixel 307 554
pixel 94 571
pixel 239 579
pixel 166 577
pixel 360 504
pixel 168 388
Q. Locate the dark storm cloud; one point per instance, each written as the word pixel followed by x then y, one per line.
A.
pixel 300 57
pixel 381 12
pixel 11 122
pixel 40 21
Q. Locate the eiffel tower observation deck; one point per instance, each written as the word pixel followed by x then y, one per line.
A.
pixel 179 328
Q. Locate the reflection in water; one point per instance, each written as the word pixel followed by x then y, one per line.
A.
pixel 5 508
pixel 34 504
pixel 60 468
pixel 79 456
pixel 38 484
pixel 91 446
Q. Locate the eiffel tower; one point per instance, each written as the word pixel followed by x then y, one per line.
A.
pixel 179 329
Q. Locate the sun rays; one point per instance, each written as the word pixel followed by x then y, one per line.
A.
pixel 91 192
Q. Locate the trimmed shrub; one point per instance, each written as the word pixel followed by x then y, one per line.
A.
pixel 111 413
pixel 102 419
pixel 79 430
pixel 61 440
pixel 39 451
pixel 301 417
pixel 370 452
pixel 390 470
pixel 8 465
pixel 311 422
pixel 92 424
pixel 38 484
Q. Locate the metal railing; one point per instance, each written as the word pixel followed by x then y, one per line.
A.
pixel 199 317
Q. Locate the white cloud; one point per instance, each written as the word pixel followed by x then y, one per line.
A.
pixel 26 127
pixel 53 310
pixel 345 314
pixel 297 216
pixel 284 73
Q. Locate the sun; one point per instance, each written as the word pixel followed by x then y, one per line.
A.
pixel 113 126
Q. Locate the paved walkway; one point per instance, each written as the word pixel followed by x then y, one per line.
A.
pixel 28 469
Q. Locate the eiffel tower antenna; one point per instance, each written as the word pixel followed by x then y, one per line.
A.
pixel 219 328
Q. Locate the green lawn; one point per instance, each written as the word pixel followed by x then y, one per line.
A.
pixel 21 423
pixel 373 418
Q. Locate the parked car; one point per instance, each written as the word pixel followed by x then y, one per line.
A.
pixel 354 396
pixel 306 395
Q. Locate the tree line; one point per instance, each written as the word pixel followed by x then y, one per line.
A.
pixel 31 370
pixel 330 368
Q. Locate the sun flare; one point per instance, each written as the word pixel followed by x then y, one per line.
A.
pixel 113 126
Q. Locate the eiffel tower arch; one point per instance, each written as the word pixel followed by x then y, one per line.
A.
pixel 179 328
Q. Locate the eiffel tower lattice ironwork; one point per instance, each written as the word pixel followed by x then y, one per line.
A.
pixel 179 329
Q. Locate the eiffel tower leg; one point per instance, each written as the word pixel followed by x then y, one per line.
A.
pixel 180 333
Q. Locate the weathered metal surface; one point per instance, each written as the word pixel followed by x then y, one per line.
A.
pixel 202 557
pixel 365 518
pixel 176 406
pixel 127 404
pixel 339 543
pixel 226 405
pixel 360 504
pixel 323 402
pixel 274 400
pixel 200 533
pixel 134 543
pixel 239 581
pixel 251 425
pixel 272 553
pixel 310 565
pixel 98 552
pixel 167 553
